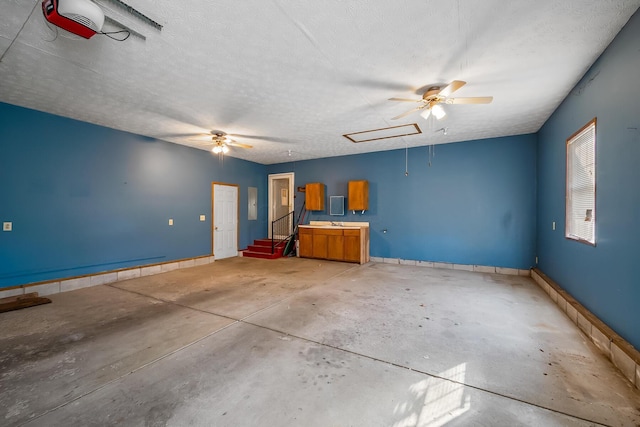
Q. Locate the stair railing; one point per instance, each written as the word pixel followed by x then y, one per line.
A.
pixel 281 230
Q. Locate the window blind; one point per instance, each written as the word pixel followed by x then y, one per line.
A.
pixel 581 184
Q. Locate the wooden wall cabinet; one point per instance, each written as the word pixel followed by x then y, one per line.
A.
pixel 336 244
pixel 314 194
pixel 358 195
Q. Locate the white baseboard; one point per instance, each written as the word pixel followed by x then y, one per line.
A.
pixel 51 287
pixel 451 266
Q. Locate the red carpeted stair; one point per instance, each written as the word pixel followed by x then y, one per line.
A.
pixel 261 248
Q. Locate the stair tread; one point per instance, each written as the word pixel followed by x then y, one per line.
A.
pixel 267 242
pixel 252 254
pixel 261 248
pixel 258 248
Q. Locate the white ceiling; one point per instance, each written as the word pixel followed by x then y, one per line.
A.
pixel 298 75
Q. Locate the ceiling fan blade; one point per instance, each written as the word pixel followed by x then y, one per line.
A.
pixel 452 87
pixel 261 138
pixel 204 139
pixel 405 99
pixel 179 135
pixel 237 144
pixel 407 113
pixel 473 100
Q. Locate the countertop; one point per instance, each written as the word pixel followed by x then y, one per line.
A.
pixel 337 225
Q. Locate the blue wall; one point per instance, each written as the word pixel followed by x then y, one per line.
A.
pixel 603 278
pixel 474 205
pixel 85 198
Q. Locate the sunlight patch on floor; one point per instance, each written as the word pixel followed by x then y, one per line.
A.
pixel 436 401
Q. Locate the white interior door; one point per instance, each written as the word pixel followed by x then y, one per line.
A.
pixel 281 197
pixel 225 221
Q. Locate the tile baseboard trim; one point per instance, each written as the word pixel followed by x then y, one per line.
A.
pixel 451 266
pixel 54 286
pixel 622 354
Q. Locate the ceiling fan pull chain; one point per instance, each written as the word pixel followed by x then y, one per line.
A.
pixel 406 160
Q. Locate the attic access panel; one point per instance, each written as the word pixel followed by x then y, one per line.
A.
pixel 384 133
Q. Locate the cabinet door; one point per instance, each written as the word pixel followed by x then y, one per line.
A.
pixel 306 242
pixel 358 195
pixel 314 194
pixel 352 245
pixel 320 246
pixel 335 247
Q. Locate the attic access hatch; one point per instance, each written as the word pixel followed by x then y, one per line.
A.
pixel 384 133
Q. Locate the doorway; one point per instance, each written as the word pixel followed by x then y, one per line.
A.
pixel 225 221
pixel 281 194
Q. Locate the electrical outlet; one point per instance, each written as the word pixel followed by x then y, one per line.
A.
pixel 203 218
pixel 170 221
pixel 7 226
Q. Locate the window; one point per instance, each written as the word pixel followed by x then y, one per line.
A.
pixel 581 185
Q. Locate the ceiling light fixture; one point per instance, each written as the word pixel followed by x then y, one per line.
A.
pixel 438 111
pixel 220 148
pixel 222 142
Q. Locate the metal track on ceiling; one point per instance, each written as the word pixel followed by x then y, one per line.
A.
pixel 141 16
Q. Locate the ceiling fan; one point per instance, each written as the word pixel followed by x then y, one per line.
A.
pixel 435 95
pixel 222 142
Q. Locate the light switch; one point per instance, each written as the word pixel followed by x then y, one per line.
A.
pixel 202 218
pixel 171 221
pixel 553 225
pixel 7 226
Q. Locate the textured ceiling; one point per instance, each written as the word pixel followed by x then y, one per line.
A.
pixel 292 77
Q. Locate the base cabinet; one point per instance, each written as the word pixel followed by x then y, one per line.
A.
pixel 319 248
pixel 305 236
pixel 335 247
pixel 350 245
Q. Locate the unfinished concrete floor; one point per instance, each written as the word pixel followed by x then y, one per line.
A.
pixel 299 342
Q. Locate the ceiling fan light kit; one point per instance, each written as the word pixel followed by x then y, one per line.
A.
pixel 438 111
pixel 222 142
pixel 220 148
